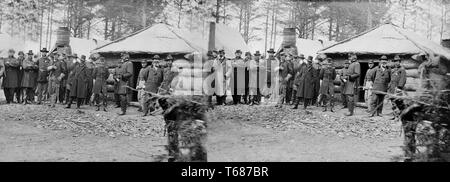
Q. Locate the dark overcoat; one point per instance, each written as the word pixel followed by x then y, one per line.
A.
pixel 327 75
pixel 124 74
pixel 381 79
pixel 100 74
pixel 398 79
pixel 354 73
pixel 30 73
pixel 43 64
pixel 79 81
pixel 304 81
pixel 153 79
pixel 11 73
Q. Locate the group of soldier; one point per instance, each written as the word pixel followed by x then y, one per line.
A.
pixel 54 78
pixel 292 79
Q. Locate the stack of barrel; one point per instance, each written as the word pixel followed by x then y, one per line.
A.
pixel 63 40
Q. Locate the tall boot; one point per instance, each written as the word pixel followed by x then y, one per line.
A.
pixel 79 102
pixel 69 103
pixel 331 104
pixel 297 102
pixel 123 105
pixel 351 106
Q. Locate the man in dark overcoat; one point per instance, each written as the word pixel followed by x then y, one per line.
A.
pixel 29 78
pixel 11 76
pixel 169 75
pixel 380 79
pixel 237 84
pixel 327 75
pixel 123 77
pixel 285 73
pixel 352 83
pixel 42 87
pixel 100 74
pixel 78 88
pixel 57 70
pixel 153 77
pixel 18 90
pixel 396 86
pixel 303 82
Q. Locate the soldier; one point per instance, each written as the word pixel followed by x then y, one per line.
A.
pixel 343 75
pixel 100 75
pixel 11 76
pixel 380 79
pixel 29 78
pixel 18 90
pixel 90 84
pixel 303 81
pixel 327 75
pixel 169 75
pixel 123 76
pixel 153 77
pixel 57 71
pixel 290 85
pixel 298 63
pixel 368 83
pixel 351 85
pixel 116 84
pixel 72 64
pixel 43 63
pixel 398 81
pixel 285 74
pixel 238 72
pixel 79 81
pixel 222 70
pixel 141 85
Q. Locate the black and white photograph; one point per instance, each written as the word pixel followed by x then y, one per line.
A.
pixel 224 81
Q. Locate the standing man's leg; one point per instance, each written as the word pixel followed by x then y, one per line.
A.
pixel 40 93
pixel 123 103
pixel 7 93
pixel 350 104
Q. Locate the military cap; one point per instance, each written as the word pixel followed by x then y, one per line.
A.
pixel 248 54
pixel 30 52
pixel 301 56
pixel 156 57
pixel 271 50
pixel 371 62
pixel 257 53
pixel 169 57
pixel 221 51
pixel 238 51
pixel 20 52
pixel 383 58
pixel 397 58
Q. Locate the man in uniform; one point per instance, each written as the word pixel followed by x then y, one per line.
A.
pixel 285 73
pixel 72 64
pixel 11 76
pixel 43 63
pixel 342 75
pixel 303 82
pixel 169 75
pixel 100 75
pixel 327 75
pixel 238 72
pixel 398 81
pixel 116 84
pixel 380 79
pixel 141 84
pixel 79 81
pixel 90 84
pixel 153 77
pixel 351 85
pixel 298 63
pixel 316 80
pixel 18 90
pixel 57 71
pixel 29 78
pixel 125 72
pixel 290 84
pixel 368 82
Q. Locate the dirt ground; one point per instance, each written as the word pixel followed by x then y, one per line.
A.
pixel 39 133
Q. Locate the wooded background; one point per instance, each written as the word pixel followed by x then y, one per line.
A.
pixel 257 20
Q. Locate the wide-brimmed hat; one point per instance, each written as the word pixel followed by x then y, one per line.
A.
pixel 169 57
pixel 21 52
pixel 248 54
pixel 371 62
pixel 383 58
pixel 238 51
pixel 301 56
pixel 327 61
pixel 397 58
pixel 44 50
pixel 221 51
pixel 156 57
pixel 74 56
pixel 257 53
pixel 271 51
pixel 30 52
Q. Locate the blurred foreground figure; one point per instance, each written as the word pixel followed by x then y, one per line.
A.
pixel 186 125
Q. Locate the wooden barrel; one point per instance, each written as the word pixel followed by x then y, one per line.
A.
pixel 446 43
pixel 289 37
pixel 62 36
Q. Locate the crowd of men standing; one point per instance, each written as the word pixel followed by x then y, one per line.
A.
pixel 287 77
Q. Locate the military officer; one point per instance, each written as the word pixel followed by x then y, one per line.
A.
pixel 303 82
pixel 342 75
pixel 368 83
pixel 125 72
pixel 285 73
pixel 380 79
pixel 100 74
pixel 43 63
pixel 351 85
pixel 169 74
pixel 396 85
pixel 153 77
pixel 327 75
pixel 11 76
pixel 29 78
pixel 79 81
pixel 141 84
pixel 57 71
pixel 238 72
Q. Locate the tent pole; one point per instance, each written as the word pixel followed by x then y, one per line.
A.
pixel 212 36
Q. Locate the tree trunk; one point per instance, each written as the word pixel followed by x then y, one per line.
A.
pixel 144 14
pixel 369 15
pixel 180 9
pixel 266 29
pixel 106 28
pixel 217 11
pixel 241 10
